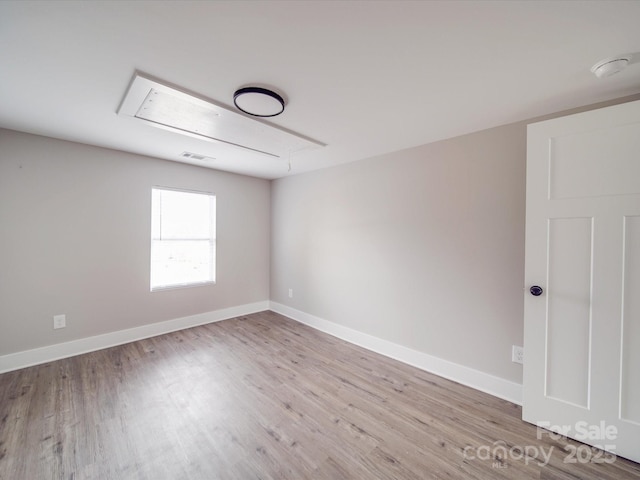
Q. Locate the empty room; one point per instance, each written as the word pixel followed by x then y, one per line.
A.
pixel 309 239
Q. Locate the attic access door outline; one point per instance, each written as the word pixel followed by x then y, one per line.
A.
pixel 167 107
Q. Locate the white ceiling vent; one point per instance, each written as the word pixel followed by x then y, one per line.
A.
pixel 195 156
pixel 169 108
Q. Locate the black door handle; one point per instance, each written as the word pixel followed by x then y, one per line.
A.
pixel 536 291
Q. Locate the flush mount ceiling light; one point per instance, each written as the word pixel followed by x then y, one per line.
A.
pixel 610 66
pixel 258 101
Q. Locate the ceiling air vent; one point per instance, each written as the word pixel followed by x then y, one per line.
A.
pixel 195 156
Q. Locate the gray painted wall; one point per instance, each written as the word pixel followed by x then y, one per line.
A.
pixel 75 239
pixel 423 247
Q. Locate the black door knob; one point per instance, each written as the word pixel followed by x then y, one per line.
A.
pixel 536 291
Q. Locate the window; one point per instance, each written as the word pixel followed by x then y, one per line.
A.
pixel 183 238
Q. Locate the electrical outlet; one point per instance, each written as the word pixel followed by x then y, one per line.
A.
pixel 291 293
pixel 517 354
pixel 59 321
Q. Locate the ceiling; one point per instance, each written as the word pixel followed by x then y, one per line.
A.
pixel 363 77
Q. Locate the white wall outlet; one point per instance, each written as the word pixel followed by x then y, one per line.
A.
pixel 517 354
pixel 59 321
pixel 291 293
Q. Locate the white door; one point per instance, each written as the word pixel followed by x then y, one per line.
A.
pixel 582 333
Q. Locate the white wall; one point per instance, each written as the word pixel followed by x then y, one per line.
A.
pixel 75 239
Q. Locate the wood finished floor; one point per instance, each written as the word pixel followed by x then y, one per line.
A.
pixel 263 397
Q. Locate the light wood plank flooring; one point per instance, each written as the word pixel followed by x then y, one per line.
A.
pixel 263 397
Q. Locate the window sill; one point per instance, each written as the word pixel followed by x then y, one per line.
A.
pixel 181 285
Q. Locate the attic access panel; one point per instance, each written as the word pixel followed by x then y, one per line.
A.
pixel 166 107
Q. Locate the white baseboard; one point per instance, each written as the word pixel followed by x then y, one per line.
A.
pixel 27 358
pixel 470 377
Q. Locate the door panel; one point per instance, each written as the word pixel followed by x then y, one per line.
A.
pixel 568 313
pixel 578 167
pixel 630 402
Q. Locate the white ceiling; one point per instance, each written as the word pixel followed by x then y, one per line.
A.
pixel 365 78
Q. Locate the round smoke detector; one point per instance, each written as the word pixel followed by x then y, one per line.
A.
pixel 610 66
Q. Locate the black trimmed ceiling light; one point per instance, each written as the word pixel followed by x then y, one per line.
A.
pixel 258 101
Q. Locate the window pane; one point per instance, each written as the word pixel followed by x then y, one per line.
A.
pixel 184 215
pixel 181 262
